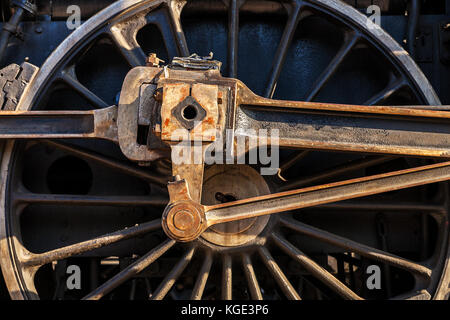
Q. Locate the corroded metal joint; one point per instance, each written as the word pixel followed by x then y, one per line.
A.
pixel 184 220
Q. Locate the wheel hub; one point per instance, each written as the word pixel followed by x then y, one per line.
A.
pixel 229 180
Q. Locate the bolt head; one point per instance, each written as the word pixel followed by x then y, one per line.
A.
pixel 183 220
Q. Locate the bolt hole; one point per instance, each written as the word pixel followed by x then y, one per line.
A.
pixel 224 198
pixel 189 112
pixel 142 134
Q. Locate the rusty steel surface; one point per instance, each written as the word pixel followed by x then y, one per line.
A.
pixel 59 124
pixel 374 129
pixel 339 191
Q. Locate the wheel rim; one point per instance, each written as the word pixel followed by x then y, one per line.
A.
pixel 20 284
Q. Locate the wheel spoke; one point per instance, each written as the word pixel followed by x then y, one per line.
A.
pixel 108 162
pixel 123 35
pixel 94 264
pixel 363 250
pixel 421 295
pixel 89 245
pixel 293 160
pixel 132 270
pixel 394 86
pixel 278 275
pixel 365 206
pixel 345 168
pixel 202 278
pixel 351 39
pixel 69 77
pixel 255 290
pixel 173 275
pixel 177 36
pixel 168 21
pixel 133 289
pixel 89 200
pixel 390 90
pixel 315 269
pixel 227 278
pixel 282 50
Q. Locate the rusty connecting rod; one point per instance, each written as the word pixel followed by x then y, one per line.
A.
pixel 185 220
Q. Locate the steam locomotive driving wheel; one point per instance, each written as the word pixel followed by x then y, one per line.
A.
pixel 90 183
